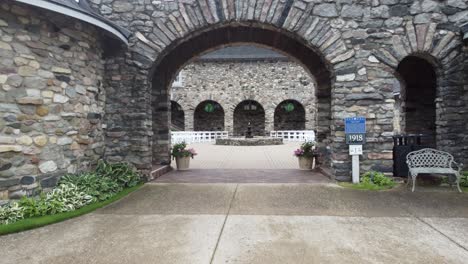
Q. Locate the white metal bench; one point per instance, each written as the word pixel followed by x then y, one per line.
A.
pixel 432 161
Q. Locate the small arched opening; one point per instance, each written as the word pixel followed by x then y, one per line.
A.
pixel 249 113
pixel 290 115
pixel 418 94
pixel 208 116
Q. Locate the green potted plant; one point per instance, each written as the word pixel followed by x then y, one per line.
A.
pixel 306 154
pixel 182 155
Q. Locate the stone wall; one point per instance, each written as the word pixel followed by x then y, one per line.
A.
pixel 269 82
pixel 51 98
pixel 55 84
pixel 352 48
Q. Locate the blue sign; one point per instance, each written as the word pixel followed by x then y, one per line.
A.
pixel 355 125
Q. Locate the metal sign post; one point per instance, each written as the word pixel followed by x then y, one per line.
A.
pixel 355 131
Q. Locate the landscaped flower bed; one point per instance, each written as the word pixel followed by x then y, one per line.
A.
pixel 72 192
pixel 372 180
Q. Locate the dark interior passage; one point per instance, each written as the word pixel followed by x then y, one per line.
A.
pixel 419 94
pixel 209 116
pixel 177 117
pixel 290 115
pixel 249 112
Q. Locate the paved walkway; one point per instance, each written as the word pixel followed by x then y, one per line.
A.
pixel 212 156
pixel 244 164
pixel 256 223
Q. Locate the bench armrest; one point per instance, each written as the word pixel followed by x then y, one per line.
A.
pixel 459 166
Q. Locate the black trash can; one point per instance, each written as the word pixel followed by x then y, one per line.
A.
pixel 402 145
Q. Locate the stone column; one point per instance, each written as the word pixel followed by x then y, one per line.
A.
pixel 269 120
pixel 229 121
pixel 189 119
pixel 310 119
pixel 128 114
pixel 161 121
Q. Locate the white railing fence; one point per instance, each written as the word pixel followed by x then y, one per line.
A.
pixel 197 136
pixel 294 135
pixel 211 136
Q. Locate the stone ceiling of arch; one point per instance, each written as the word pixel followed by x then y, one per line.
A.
pixel 225 35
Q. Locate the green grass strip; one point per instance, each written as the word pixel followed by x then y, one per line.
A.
pixel 364 186
pixel 34 222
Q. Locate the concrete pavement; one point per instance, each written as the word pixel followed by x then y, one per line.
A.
pixel 256 223
pixel 273 157
pixel 244 164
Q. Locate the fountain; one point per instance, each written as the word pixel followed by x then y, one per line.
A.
pixel 249 140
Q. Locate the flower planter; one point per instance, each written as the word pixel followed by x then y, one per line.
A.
pixel 183 163
pixel 306 163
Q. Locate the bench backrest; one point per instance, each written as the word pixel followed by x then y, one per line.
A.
pixel 429 158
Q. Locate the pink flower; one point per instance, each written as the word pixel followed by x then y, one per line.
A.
pixel 299 152
pixel 192 151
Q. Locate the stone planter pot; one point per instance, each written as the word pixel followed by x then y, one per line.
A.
pixel 306 163
pixel 183 163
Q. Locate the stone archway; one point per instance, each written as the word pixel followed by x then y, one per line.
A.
pixel 418 107
pixel 181 53
pixel 290 115
pixel 303 31
pixel 438 56
pixel 208 116
pixel 249 112
pixel 177 117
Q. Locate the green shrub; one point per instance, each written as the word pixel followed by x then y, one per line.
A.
pixel 73 192
pixel 99 187
pixel 34 206
pixel 11 213
pixel 123 173
pixel 377 178
pixel 464 179
pixel 451 178
pixel 63 198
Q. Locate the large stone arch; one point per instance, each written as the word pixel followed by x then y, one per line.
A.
pixel 292 27
pixel 322 65
pixel 443 50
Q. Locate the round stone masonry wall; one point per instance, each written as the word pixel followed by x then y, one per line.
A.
pixel 51 99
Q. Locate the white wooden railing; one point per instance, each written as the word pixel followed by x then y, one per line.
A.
pixel 294 135
pixel 197 136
